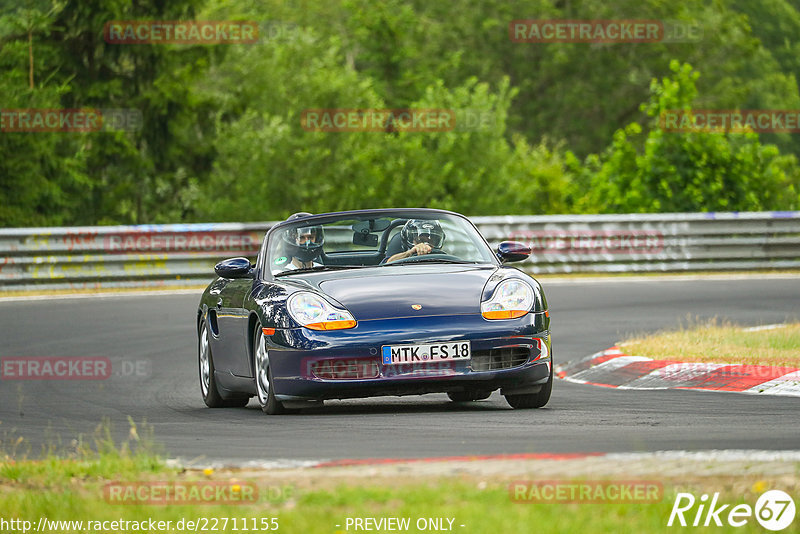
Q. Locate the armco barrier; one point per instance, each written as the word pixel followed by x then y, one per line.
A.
pixel 652 242
pixel 121 256
pixel 181 255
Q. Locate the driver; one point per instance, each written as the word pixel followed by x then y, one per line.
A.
pixel 303 246
pixel 419 237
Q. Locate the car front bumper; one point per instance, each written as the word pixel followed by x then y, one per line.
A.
pixel 514 354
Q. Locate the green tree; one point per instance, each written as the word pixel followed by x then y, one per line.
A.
pixel 40 173
pixel 678 172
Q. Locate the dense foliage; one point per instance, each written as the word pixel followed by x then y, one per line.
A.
pixel 573 126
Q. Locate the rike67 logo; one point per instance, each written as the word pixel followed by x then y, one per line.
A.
pixel 774 510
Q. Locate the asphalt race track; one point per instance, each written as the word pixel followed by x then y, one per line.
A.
pixel 151 342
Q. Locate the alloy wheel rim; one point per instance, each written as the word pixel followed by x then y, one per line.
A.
pixel 205 367
pixel 262 370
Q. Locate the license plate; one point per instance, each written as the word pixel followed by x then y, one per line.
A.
pixel 433 352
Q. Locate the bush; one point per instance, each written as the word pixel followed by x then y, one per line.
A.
pixel 660 171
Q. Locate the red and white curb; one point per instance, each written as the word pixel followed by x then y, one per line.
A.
pixel 614 368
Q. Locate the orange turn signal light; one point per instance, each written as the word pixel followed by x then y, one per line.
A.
pixel 268 331
pixel 332 325
pixel 504 314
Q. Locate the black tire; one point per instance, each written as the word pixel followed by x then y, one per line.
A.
pixel 533 400
pixel 208 383
pixel 266 399
pixel 469 396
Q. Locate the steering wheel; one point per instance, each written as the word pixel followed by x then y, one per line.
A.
pixel 434 254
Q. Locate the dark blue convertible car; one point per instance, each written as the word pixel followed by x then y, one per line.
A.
pixel 374 302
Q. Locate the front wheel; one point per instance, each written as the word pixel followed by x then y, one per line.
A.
pixel 264 382
pixel 533 400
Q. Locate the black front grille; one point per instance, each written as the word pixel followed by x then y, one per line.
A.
pixel 345 368
pixel 505 358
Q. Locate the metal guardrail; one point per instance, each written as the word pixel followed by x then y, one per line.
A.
pixel 171 255
pixel 662 242
pixel 184 254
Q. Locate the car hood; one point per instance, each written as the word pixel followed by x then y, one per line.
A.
pixel 391 291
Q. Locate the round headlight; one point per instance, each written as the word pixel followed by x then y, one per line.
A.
pixel 511 299
pixel 314 312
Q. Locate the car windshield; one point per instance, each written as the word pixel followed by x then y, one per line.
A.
pixel 331 243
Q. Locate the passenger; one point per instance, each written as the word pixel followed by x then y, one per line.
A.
pixel 303 246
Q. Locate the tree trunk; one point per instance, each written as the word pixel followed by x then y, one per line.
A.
pixel 30 58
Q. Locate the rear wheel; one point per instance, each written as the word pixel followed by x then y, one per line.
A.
pixel 533 400
pixel 264 388
pixel 469 396
pixel 208 383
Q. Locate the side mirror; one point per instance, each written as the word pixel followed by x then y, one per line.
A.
pixel 233 268
pixel 509 251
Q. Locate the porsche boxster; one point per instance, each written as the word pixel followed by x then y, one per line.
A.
pixel 374 302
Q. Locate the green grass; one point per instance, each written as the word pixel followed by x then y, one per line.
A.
pixel 715 342
pixel 87 457
pixel 308 511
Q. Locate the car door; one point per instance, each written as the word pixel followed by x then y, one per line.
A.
pixel 230 346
